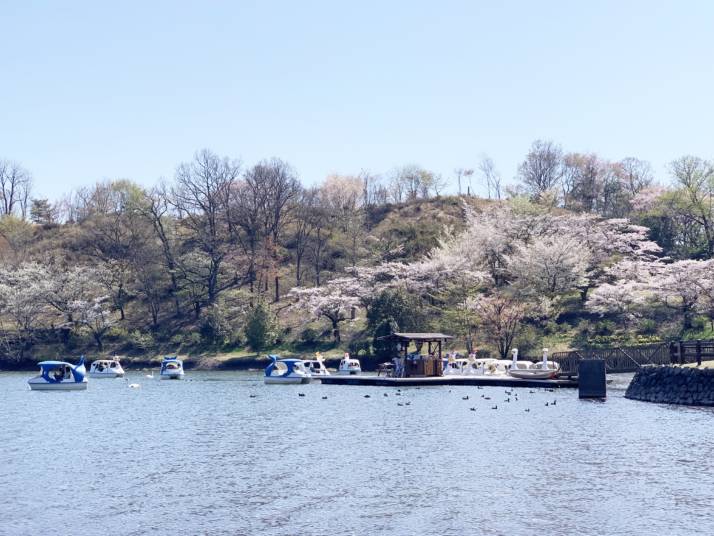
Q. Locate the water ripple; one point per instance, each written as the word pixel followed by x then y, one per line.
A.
pixel 202 457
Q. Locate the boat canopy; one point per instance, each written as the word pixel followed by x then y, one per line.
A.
pixel 288 363
pixel 171 362
pixel 286 360
pixel 47 367
pixel 54 364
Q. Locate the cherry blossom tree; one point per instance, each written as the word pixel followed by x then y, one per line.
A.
pixel 22 299
pixel 549 266
pixel 622 299
pixel 647 198
pixel 682 286
pixel 501 316
pixel 676 288
pixel 64 286
pixel 507 240
pixel 335 301
pixel 705 284
pixel 95 315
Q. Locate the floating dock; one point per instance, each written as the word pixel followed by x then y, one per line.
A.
pixel 494 381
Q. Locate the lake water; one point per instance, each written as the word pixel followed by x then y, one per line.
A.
pixel 201 456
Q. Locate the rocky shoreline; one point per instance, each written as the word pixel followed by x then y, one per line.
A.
pixel 673 385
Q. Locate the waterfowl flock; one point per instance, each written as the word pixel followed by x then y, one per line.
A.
pixel 511 396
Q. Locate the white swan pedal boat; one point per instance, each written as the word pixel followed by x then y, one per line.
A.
pixel 171 368
pixel 543 370
pixel 316 366
pixel 349 366
pixel 459 366
pixel 60 376
pixel 288 371
pixel 106 368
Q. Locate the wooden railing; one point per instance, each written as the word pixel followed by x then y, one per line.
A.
pixel 691 351
pixel 618 359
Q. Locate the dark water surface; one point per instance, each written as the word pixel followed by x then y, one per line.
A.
pixel 201 457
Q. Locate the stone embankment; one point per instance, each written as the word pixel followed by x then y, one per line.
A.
pixel 673 385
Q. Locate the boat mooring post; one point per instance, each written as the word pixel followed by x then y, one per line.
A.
pixel 591 379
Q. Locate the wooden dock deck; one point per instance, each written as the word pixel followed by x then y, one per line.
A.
pixel 494 381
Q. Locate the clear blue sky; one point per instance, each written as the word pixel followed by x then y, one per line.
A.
pixel 94 90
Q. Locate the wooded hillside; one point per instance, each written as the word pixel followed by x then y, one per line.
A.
pixel 226 257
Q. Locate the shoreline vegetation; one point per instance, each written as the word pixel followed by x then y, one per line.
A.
pixel 226 261
pixel 228 361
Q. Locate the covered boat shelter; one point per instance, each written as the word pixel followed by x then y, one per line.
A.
pixel 417 364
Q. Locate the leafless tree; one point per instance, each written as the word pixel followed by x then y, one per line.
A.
pixel 305 225
pixel 542 169
pixel 320 239
pixel 491 176
pixel 200 196
pixel 438 184
pixel 582 181
pixel 115 233
pixel 636 174
pixel 157 210
pixel 374 192
pixel 260 204
pixel 15 188
pixel 411 182
pixel 466 174
pixel 396 188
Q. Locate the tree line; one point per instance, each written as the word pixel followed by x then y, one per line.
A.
pixel 221 236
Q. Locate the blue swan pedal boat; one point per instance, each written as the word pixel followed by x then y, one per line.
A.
pixel 60 376
pixel 171 368
pixel 289 371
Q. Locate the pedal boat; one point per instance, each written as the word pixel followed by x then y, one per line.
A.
pixel 60 376
pixel 287 371
pixel 543 370
pixel 349 366
pixel 316 366
pixel 106 368
pixel 171 368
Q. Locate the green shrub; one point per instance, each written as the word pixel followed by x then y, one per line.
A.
pixel 215 328
pixel 528 342
pixel 177 340
pixel 699 323
pixel 385 350
pixel 192 339
pixel 604 328
pixel 551 327
pixel 360 347
pixel 648 327
pixel 398 306
pixel 259 327
pixel 141 341
pixel 117 333
pixel 309 336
